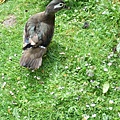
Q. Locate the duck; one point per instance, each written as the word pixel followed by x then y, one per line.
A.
pixel 38 33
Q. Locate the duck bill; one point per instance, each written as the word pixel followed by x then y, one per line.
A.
pixel 66 7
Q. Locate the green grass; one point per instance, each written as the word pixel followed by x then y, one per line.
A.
pixel 69 84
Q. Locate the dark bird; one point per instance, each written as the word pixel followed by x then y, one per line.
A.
pixel 38 33
pixel 86 25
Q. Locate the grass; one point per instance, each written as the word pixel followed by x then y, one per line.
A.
pixel 69 85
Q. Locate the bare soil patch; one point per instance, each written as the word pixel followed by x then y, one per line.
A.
pixel 10 21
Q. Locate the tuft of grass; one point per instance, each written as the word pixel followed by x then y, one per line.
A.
pixel 79 62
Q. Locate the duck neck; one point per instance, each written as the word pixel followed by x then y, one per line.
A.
pixel 50 16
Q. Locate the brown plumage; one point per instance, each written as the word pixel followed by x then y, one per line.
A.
pixel 32 57
pixel 38 33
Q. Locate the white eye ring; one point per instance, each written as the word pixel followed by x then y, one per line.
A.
pixel 59 5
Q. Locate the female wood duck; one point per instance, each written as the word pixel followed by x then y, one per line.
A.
pixel 38 33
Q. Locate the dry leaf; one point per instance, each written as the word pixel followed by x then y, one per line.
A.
pixel 3 85
pixel 106 87
pixel 118 48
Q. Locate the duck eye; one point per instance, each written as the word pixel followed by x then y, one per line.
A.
pixel 61 4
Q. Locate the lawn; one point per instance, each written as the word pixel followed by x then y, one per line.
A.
pixel 80 75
